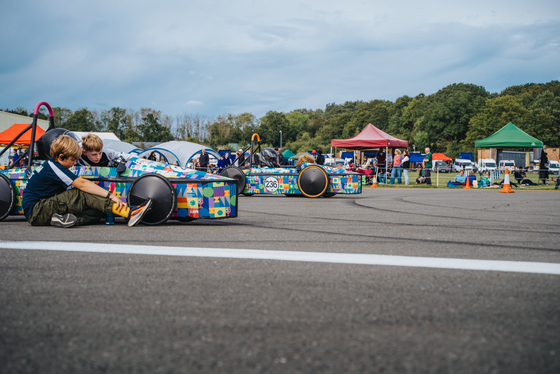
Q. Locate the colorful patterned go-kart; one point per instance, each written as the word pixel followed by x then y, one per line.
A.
pixel 262 175
pixel 183 195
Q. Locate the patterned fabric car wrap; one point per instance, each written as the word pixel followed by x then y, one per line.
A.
pixel 199 195
pixel 285 181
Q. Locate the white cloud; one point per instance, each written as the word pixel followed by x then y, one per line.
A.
pixel 259 56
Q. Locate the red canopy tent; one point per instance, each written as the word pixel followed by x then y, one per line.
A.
pixel 441 156
pixel 370 137
pixel 8 135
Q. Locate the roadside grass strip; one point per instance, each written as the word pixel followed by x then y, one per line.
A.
pixel 317 257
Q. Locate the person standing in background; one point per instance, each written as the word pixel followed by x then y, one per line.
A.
pixel 427 164
pixel 320 158
pixel 203 161
pixel 405 164
pixel 543 166
pixel 396 171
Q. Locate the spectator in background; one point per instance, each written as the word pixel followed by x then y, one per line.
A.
pixel 461 177
pixel 320 158
pixel 240 159
pixel 221 164
pixel 397 169
pixel 518 174
pixel 152 157
pixel 524 180
pixel 381 158
pixel 16 156
pixel 227 160
pixel 203 161
pixel 484 181
pixel 405 164
pixel 281 159
pixel 543 166
pixel 427 165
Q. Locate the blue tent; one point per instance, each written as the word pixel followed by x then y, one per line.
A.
pixel 344 155
pixel 416 157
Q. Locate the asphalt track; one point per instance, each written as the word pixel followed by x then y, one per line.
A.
pixel 278 293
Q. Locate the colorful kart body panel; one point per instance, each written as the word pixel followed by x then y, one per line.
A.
pixel 285 180
pixel 198 194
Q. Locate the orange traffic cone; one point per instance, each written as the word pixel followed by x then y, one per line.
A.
pixel 374 183
pixel 507 187
pixel 468 186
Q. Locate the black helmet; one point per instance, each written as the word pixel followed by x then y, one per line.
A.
pixel 269 157
pixel 45 141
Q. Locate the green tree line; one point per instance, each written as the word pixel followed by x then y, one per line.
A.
pixel 448 121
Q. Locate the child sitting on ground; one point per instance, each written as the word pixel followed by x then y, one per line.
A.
pixel 54 195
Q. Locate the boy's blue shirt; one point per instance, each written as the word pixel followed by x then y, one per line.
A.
pixel 48 180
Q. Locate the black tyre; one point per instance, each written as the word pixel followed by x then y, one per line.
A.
pixel 7 196
pixel 313 181
pixel 162 193
pixel 235 173
pixel 184 219
pixel 328 194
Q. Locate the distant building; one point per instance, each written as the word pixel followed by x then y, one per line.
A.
pixel 8 119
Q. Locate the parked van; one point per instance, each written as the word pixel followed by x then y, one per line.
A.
pixel 554 167
pixel 486 164
pixel 463 164
pixel 506 164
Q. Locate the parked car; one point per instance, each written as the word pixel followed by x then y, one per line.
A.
pixel 333 161
pixel 506 164
pixel 486 164
pixel 441 167
pixel 462 164
pixel 554 167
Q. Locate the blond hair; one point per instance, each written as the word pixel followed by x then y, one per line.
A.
pixel 92 143
pixel 305 158
pixel 67 146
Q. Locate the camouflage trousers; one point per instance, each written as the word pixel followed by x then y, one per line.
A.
pixel 87 208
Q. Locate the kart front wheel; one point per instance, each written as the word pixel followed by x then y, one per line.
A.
pixel 313 181
pixel 162 193
pixel 7 196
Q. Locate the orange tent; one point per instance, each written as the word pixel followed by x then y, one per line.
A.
pixel 441 157
pixel 8 135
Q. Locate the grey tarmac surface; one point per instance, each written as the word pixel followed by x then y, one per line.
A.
pixel 69 312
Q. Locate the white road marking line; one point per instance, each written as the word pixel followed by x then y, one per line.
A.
pixel 325 257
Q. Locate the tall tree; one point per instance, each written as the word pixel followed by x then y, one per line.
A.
pixel 152 131
pixel 82 120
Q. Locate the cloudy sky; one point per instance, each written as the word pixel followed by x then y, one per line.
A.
pixel 217 56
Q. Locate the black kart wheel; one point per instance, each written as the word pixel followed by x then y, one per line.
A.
pixel 313 181
pixel 328 195
pixel 162 193
pixel 235 173
pixel 7 196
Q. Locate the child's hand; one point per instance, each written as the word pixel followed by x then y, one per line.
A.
pixel 119 202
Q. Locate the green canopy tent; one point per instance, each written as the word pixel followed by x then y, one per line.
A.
pixel 287 154
pixel 509 136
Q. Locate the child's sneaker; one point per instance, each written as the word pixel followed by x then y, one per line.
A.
pixel 139 211
pixel 66 220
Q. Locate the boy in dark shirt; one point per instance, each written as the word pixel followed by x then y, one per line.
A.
pixel 54 195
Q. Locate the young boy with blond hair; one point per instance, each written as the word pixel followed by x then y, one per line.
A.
pixel 54 195
pixel 92 152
